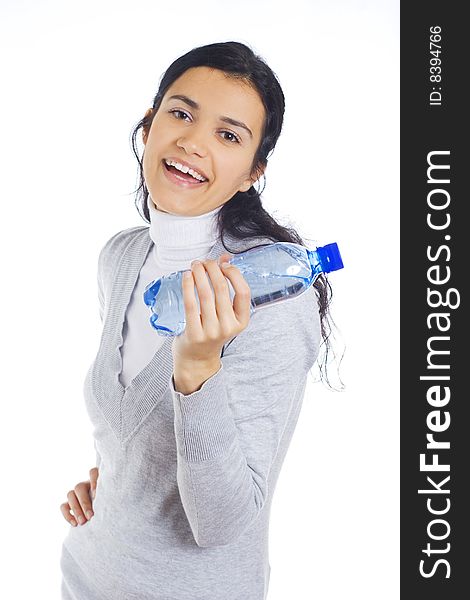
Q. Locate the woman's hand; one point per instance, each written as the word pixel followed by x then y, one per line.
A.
pixel 196 352
pixel 80 500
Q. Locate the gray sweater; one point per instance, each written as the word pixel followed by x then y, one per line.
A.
pixel 186 481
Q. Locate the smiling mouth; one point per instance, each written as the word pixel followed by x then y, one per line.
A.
pixel 182 176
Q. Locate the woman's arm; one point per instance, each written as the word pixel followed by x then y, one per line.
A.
pixel 228 432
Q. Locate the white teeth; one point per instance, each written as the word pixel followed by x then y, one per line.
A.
pixel 185 169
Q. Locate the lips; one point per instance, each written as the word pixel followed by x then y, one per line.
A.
pixel 177 178
pixel 186 164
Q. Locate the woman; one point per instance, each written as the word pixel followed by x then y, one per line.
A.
pixel 191 431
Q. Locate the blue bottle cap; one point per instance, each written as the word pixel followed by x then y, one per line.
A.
pixel 329 257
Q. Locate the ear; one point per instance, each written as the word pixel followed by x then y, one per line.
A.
pixel 250 181
pixel 144 132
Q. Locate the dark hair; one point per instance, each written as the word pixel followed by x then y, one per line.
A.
pixel 243 216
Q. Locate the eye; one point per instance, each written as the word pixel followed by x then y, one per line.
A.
pixel 235 139
pixel 177 110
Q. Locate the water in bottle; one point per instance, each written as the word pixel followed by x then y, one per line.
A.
pixel 274 272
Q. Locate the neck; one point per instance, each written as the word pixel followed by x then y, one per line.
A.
pixel 180 239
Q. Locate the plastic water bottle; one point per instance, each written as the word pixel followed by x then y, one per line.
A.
pixel 274 272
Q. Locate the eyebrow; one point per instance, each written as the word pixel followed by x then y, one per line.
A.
pixel 195 105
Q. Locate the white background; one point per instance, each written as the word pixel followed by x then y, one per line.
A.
pixel 76 78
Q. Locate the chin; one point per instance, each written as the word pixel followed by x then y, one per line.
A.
pixel 155 205
pixel 166 209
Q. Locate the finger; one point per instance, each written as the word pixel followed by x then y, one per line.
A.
pixel 208 315
pixel 242 298
pixel 65 510
pixel 83 493
pixel 79 502
pixel 94 474
pixel 191 310
pixel 223 301
pixel 225 257
pixel 75 507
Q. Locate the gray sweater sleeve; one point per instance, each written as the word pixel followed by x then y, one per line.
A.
pixel 229 431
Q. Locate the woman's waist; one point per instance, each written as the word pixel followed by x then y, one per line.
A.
pixel 128 550
pixel 151 526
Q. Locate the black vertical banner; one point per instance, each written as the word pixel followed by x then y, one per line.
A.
pixel 434 263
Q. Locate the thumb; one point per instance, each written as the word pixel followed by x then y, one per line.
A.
pixel 225 257
pixel 93 478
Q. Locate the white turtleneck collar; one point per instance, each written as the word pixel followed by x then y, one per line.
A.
pixel 177 241
pixel 180 239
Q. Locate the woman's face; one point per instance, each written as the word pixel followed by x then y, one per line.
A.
pixel 200 130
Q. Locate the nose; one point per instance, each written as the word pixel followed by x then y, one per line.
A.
pixel 193 142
